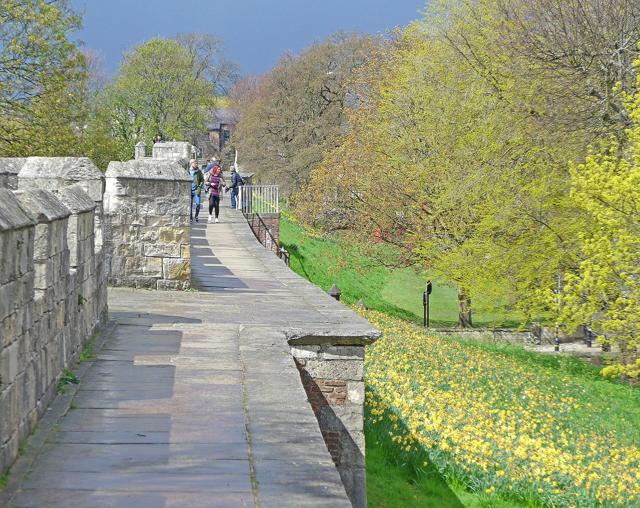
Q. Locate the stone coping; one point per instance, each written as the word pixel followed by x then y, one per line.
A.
pixel 148 169
pixel 12 215
pixel 11 165
pixel 63 168
pixel 42 205
pixel 76 199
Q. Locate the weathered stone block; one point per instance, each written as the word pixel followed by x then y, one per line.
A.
pixel 351 370
pixel 355 392
pixel 177 269
pixel 174 235
pixel 173 285
pixel 162 250
pixel 9 366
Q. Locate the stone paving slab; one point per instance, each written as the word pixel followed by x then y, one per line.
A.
pixel 195 399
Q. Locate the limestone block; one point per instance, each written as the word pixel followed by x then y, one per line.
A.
pixel 174 235
pixel 12 214
pixel 185 251
pixel 76 200
pixel 9 169
pixel 42 205
pixel 340 417
pixel 305 352
pixel 8 298
pixel 62 172
pixel 177 269
pixel 173 285
pixel 10 415
pixel 335 369
pixel 152 267
pixel 147 169
pixel 355 392
pixel 146 267
pixel 163 250
pixel 8 327
pixel 343 353
pixel 143 282
pixel 147 234
pixel 9 365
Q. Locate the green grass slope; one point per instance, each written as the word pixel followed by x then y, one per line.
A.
pixel 398 292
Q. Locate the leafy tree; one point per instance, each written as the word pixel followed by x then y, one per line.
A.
pixel 42 77
pixel 295 113
pixel 454 154
pixel 605 289
pixel 164 87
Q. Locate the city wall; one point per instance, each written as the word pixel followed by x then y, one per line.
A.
pixel 53 292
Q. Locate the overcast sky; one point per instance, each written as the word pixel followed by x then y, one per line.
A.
pixel 255 32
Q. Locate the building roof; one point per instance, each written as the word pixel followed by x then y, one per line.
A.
pixel 218 117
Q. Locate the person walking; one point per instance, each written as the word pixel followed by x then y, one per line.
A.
pixel 212 165
pixel 197 181
pixel 216 184
pixel 236 183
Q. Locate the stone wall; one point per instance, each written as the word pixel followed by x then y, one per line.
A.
pixel 147 224
pixel 172 150
pixel 332 374
pixel 9 169
pixel 537 335
pixel 52 295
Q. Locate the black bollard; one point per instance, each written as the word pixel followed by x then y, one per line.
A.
pixel 335 292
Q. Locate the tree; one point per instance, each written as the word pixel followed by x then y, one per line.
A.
pixel 164 87
pixel 604 291
pixel 297 111
pixel 42 75
pixel 454 153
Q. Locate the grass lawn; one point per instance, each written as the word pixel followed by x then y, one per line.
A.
pixel 397 292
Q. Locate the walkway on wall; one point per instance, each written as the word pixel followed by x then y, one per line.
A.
pixel 194 400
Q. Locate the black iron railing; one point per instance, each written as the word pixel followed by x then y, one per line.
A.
pixel 264 235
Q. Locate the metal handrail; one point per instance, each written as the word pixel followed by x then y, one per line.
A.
pixel 267 239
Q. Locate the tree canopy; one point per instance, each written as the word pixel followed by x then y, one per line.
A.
pixel 164 88
pixel 465 152
pixel 42 76
pixel 295 113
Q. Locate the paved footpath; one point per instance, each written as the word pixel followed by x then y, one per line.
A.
pixel 194 399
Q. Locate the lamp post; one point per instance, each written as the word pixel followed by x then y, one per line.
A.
pixel 425 302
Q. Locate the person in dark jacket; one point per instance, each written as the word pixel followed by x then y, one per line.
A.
pixel 197 182
pixel 216 183
pixel 236 183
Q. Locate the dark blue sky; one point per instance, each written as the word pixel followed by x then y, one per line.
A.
pixel 255 32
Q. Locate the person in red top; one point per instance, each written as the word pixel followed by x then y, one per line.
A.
pixel 216 185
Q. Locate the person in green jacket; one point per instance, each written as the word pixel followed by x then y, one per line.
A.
pixel 197 182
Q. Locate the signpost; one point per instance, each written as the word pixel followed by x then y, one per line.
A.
pixel 425 302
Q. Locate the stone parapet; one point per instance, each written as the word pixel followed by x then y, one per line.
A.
pixel 147 221
pixel 332 376
pixel 57 173
pixel 9 169
pixel 52 298
pixel 176 151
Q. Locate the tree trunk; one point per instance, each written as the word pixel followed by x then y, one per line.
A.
pixel 464 309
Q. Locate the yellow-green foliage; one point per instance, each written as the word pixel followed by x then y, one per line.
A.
pixel 543 429
pixel 605 290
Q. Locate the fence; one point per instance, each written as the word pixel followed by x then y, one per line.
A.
pixel 259 199
pixel 260 206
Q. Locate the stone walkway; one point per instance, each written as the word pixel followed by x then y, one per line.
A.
pixel 194 400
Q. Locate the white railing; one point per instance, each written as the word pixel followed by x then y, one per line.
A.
pixel 259 199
